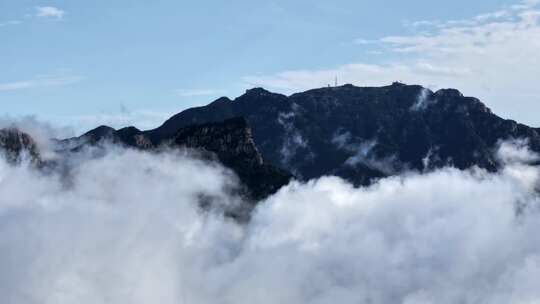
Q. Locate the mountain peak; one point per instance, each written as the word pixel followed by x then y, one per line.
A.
pixel 259 97
pixel 259 94
pixel 101 131
pixel 131 130
pixel 452 93
pixel 257 91
pixel 398 84
pixel 221 100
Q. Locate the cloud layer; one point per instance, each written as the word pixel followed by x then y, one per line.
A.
pixel 126 228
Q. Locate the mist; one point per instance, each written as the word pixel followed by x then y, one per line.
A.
pixel 42 132
pixel 127 227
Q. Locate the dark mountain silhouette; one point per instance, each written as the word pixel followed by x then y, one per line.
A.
pixel 129 136
pixel 229 142
pixel 358 133
pixel 362 133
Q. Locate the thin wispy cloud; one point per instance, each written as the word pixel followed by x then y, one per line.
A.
pixel 49 12
pixel 493 56
pixel 196 92
pixel 526 4
pixel 364 41
pixel 422 23
pixel 49 80
pixel 10 22
pixel 17 85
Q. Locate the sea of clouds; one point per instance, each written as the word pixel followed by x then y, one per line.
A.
pixel 126 227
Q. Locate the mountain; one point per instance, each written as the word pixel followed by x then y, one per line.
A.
pixel 230 142
pixel 129 136
pixel 358 133
pixel 363 133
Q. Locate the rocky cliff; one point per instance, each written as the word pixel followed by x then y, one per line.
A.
pixel 16 145
pixel 229 142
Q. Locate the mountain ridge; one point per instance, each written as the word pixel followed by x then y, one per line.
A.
pixel 228 142
pixel 364 133
pixel 358 133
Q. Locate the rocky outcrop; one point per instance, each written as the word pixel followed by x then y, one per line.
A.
pixel 231 141
pixel 16 146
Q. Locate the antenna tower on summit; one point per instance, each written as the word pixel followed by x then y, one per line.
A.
pixel 335 82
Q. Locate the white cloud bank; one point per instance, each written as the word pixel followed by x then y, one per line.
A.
pixel 123 233
pixel 492 56
pixel 41 132
pixel 196 92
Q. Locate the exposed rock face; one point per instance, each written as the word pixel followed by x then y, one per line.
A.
pixel 361 133
pixel 133 137
pixel 15 145
pixel 230 142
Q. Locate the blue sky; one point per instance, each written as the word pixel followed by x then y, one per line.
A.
pixel 84 63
